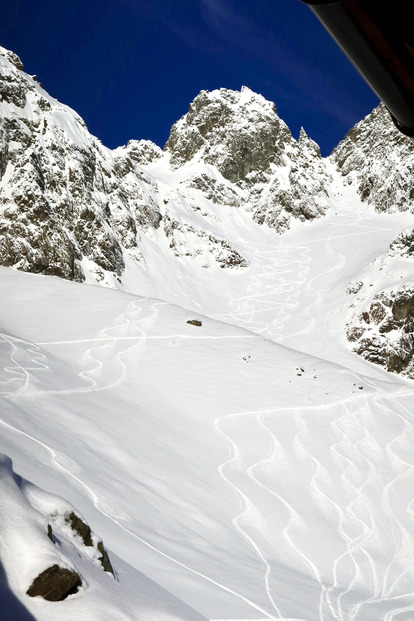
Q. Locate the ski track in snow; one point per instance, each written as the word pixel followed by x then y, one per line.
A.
pixel 107 338
pixel 96 358
pixel 337 592
pixel 61 461
pixel 274 289
pixel 337 596
pixel 24 359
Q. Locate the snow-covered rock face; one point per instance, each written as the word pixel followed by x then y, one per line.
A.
pixel 379 160
pixel 72 208
pixel 66 200
pixel 383 334
pixel 381 328
pixel 241 135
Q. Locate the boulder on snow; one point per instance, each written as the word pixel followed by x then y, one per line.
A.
pixel 55 584
pixel 79 526
pixel 45 545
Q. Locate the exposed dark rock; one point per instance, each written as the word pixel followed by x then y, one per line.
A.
pixel 83 530
pixel 195 322
pixel 384 334
pixel 403 305
pixel 202 244
pixel 80 528
pixel 143 151
pixel 367 157
pixel 104 559
pixel 12 89
pixel 213 190
pixel 55 584
pixel 403 245
pixel 12 58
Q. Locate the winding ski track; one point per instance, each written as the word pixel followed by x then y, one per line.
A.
pixel 353 571
pixel 359 531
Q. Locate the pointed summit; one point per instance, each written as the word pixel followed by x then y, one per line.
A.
pixel 305 142
pixel 12 58
pixel 237 131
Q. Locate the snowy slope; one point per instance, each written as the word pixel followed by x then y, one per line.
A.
pixel 250 479
pixel 247 463
pixel 26 550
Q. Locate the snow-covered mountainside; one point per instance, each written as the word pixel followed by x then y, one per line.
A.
pixel 72 208
pixel 378 160
pixel 204 413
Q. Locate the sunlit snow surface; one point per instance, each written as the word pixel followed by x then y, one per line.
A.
pixel 252 466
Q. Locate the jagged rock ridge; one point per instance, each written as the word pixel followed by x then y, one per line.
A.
pixel 242 136
pixel 379 161
pixel 68 204
pixel 75 209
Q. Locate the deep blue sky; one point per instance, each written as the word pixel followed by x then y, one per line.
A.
pixel 131 68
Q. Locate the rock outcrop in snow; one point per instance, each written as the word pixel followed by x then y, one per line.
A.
pixel 43 547
pixel 376 158
pixel 381 329
pixel 384 333
pixel 54 566
pixel 55 584
pixel 239 133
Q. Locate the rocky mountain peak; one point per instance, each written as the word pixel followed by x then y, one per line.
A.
pixel 237 131
pixel 307 144
pixel 74 209
pixel 12 58
pixel 379 160
pixel 69 207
